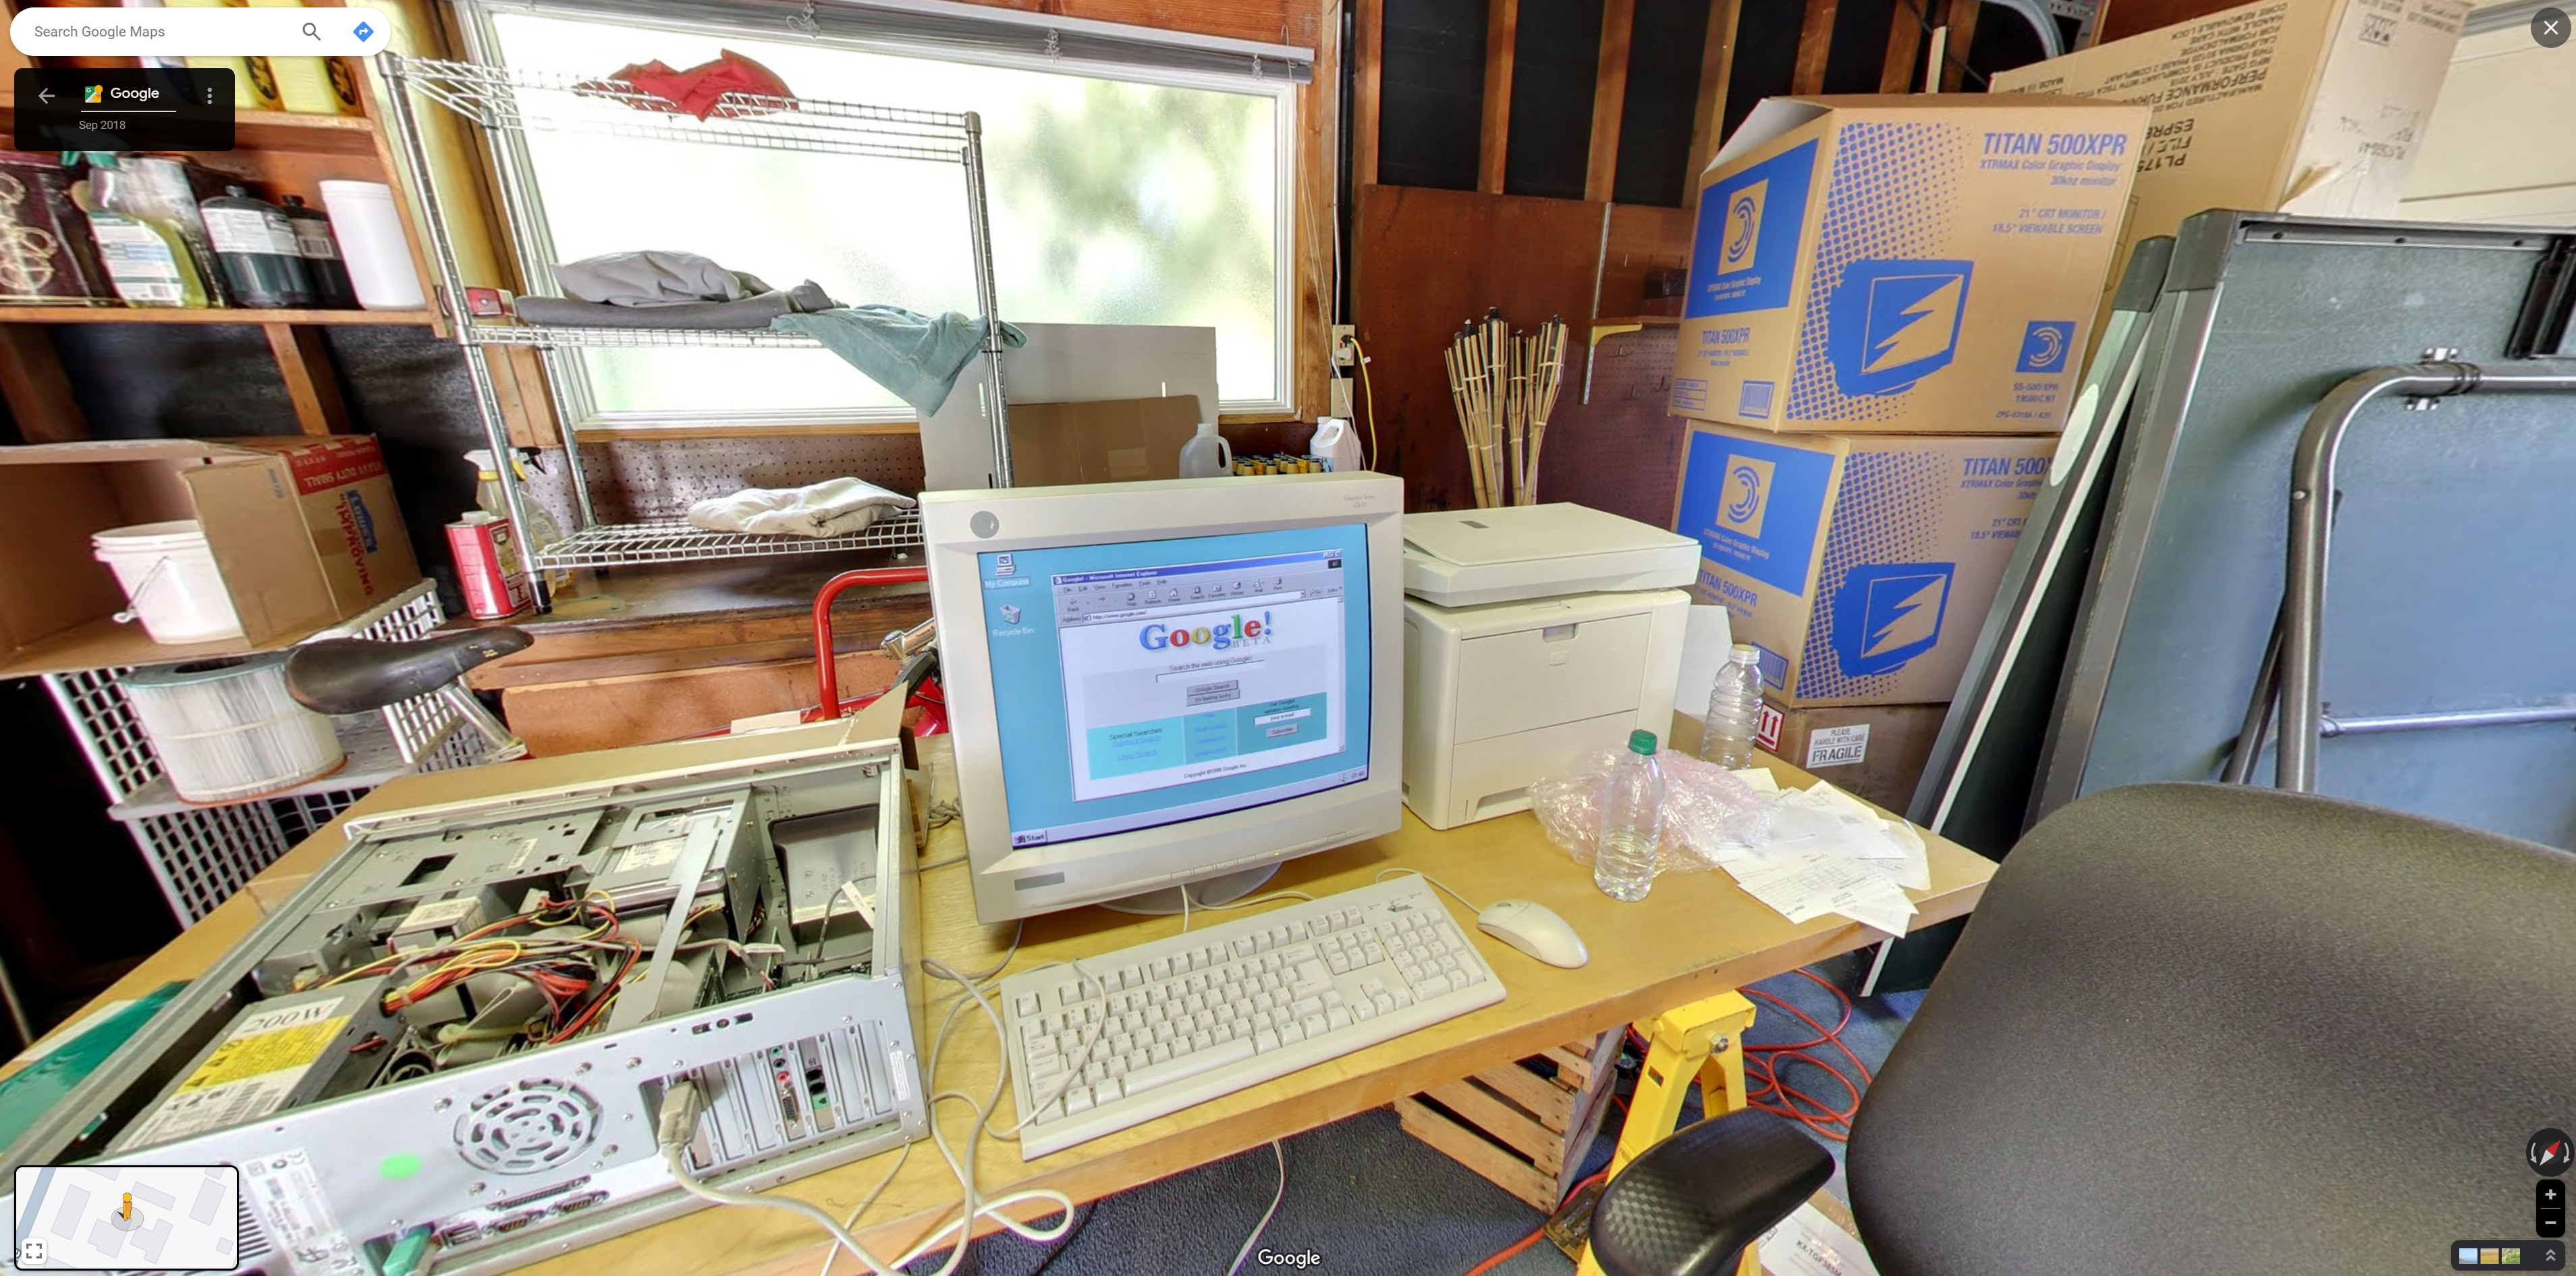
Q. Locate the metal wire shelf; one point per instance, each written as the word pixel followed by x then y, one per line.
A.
pixel 508 103
pixel 499 97
pixel 625 544
pixel 546 337
pixel 200 855
pixel 374 756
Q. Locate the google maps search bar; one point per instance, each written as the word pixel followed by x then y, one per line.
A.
pixel 199 32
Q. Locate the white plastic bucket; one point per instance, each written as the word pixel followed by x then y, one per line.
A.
pixel 372 244
pixel 170 581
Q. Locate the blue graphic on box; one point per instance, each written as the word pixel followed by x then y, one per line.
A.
pixel 1754 506
pixel 1887 512
pixel 1745 254
pixel 1133 747
pixel 1893 323
pixel 1891 198
pixel 1889 613
pixel 2045 345
pixel 361 519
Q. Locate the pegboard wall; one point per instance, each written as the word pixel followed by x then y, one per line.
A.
pixel 636 480
pixel 1621 452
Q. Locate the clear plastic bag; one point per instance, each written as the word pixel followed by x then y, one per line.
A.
pixel 1703 806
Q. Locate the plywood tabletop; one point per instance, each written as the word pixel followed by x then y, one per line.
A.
pixel 1695 935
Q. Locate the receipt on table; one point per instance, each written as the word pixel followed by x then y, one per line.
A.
pixel 1808 1244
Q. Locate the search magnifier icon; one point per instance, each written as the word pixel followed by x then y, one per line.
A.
pixel 309 31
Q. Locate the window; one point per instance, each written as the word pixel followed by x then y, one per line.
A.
pixel 1151 196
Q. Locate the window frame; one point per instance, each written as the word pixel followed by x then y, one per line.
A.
pixel 523 216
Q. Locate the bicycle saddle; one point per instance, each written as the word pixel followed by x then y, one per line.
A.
pixel 354 675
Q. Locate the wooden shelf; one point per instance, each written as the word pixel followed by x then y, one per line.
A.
pixel 174 314
pixel 285 131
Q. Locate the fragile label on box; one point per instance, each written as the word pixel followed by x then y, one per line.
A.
pixel 1838 746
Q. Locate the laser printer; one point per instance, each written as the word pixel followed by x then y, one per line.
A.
pixel 1533 635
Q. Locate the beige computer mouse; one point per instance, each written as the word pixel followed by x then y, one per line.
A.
pixel 1534 929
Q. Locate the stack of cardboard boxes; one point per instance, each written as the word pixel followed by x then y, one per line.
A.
pixel 1889 302
pixel 1888 305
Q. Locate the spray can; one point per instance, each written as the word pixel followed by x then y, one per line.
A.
pixel 487 566
pixel 255 249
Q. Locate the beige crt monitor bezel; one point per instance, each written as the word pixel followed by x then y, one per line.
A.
pixel 958 525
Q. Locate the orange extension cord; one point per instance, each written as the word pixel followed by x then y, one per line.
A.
pixel 1766 1090
pixel 1481 1269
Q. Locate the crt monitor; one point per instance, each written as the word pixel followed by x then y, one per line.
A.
pixel 1160 684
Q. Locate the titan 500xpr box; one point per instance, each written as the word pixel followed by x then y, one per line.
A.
pixel 1860 565
pixel 1893 265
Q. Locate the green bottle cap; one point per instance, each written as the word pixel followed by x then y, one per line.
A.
pixel 1642 743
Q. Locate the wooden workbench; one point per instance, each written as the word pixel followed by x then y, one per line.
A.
pixel 1696 934
pixel 675 650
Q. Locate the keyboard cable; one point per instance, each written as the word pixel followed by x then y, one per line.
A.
pixel 972 993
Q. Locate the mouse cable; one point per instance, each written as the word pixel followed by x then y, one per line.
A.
pixel 679 1124
pixel 1264 1225
pixel 1471 904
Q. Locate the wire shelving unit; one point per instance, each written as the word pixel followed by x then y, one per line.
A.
pixel 504 100
pixel 201 854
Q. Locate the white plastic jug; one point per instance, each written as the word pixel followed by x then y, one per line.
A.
pixel 1207 454
pixel 1337 445
pixel 170 579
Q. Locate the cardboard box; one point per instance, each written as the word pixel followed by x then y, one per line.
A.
pixel 304 530
pixel 2298 106
pixel 1862 566
pixel 1889 265
pixel 1106 441
pixel 1874 752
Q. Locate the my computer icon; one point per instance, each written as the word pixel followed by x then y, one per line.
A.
pixel 91 93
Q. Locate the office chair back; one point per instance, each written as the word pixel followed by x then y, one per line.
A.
pixel 2204 1029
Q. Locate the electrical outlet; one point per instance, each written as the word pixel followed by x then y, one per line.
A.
pixel 1344 353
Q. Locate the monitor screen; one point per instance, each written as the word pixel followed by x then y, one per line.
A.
pixel 1142 683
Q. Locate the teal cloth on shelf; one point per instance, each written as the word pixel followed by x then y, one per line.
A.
pixel 916 356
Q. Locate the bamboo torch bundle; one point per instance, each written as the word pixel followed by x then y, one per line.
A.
pixel 1504 386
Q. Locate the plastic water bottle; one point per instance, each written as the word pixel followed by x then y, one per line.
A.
pixel 1632 821
pixel 1734 705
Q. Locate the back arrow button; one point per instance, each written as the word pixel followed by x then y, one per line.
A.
pixel 45 96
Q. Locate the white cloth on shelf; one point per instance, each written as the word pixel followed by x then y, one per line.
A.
pixel 833 507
